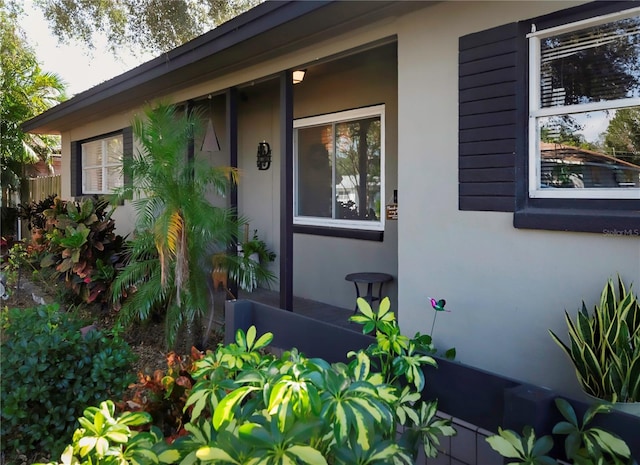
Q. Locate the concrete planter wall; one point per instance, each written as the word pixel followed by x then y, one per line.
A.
pixel 466 393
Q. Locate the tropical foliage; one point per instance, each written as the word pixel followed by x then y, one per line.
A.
pixel 605 345
pixel 78 246
pixel 105 439
pixel 583 445
pixel 250 406
pixel 255 250
pixel 51 372
pixel 26 92
pixel 291 409
pixel 177 229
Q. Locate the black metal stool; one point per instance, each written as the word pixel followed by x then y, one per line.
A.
pixel 369 279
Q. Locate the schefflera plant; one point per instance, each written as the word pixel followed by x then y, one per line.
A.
pixel 250 407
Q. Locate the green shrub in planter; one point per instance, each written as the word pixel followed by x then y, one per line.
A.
pixel 50 373
pixel 605 345
pixel 583 444
pixel 250 407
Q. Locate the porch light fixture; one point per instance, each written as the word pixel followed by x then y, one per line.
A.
pixel 298 75
pixel 264 156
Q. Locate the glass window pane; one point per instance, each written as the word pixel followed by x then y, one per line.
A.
pixel 595 64
pixel 92 180
pixel 114 150
pixel 315 149
pixel 598 149
pixel 358 169
pixel 114 178
pixel 92 153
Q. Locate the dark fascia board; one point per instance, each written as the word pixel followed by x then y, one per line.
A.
pixel 263 32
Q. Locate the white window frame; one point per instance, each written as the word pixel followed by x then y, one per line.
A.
pixel 104 166
pixel 333 118
pixel 536 112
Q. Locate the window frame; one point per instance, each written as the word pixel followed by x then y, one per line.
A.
pixel 341 226
pixel 600 216
pixel 104 165
pixel 536 111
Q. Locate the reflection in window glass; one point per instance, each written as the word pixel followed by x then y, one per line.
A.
pixel 339 165
pixel 358 169
pixel 315 154
pixel 587 114
pixel 599 149
pixel 599 63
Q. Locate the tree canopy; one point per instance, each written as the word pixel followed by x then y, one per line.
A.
pixel 138 25
pixel 622 138
pixel 26 91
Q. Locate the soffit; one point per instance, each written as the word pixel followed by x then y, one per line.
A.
pixel 270 30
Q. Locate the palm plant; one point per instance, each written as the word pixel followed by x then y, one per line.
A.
pixel 26 91
pixel 177 228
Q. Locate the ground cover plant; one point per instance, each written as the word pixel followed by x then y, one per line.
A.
pixel 51 372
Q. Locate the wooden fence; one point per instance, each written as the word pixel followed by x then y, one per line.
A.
pixel 41 187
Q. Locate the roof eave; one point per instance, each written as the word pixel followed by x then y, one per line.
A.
pixel 266 16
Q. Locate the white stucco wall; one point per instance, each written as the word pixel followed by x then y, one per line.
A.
pixel 504 286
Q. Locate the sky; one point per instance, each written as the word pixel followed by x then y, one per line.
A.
pixel 72 62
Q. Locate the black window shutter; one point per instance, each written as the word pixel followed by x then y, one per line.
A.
pixel 489 89
pixel 76 169
pixel 127 150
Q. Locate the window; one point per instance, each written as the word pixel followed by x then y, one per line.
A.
pixel 339 170
pixel 102 164
pixel 535 109
pixel 584 109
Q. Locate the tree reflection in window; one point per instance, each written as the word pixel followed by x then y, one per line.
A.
pixel 598 147
pixel 358 169
pixel 339 165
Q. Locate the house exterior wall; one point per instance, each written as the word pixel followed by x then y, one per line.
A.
pixel 327 260
pixel 320 262
pixel 124 216
pixel 504 286
pixel 259 191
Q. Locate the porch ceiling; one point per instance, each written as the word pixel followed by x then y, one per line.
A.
pixel 265 32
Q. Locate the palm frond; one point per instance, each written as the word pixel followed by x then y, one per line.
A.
pixel 146 296
pixel 183 228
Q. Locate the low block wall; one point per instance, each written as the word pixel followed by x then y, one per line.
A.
pixel 311 337
pixel 475 396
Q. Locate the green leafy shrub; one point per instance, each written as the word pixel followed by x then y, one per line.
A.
pixel 163 395
pixel 33 212
pixel 82 248
pixel 251 407
pixel 104 439
pixel 50 373
pixel 583 445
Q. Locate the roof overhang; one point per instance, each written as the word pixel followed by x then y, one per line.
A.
pixel 265 32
